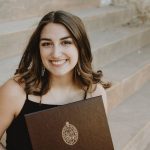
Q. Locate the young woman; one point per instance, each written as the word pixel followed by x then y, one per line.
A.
pixel 55 69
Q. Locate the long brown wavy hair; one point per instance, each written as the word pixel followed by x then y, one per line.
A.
pixel 30 67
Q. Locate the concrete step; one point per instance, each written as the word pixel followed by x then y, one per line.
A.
pixel 106 17
pixel 17 33
pixel 113 44
pixel 141 141
pixel 28 9
pixel 147 147
pixel 130 121
pixel 127 74
pixel 8 67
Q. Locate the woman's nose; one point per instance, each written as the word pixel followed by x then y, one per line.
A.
pixel 57 50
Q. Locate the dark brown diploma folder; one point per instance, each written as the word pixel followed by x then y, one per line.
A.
pixel 80 125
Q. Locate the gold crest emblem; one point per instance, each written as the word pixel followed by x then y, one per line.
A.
pixel 69 134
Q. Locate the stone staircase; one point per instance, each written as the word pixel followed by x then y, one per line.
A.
pixel 130 122
pixel 120 49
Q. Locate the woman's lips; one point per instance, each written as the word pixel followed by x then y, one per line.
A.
pixel 58 62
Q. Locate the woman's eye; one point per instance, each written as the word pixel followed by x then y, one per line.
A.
pixel 66 43
pixel 46 44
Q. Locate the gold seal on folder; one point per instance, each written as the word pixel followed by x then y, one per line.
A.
pixel 70 134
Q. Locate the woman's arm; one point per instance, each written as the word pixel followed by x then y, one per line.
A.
pixel 2 147
pixel 10 102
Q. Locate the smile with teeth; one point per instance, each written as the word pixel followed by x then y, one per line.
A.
pixel 58 62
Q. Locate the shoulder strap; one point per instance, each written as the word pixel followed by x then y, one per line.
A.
pixel 26 96
pixel 85 94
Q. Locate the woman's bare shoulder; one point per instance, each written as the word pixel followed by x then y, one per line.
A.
pixel 100 91
pixel 12 94
pixel 11 88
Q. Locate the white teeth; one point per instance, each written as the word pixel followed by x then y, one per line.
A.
pixel 58 62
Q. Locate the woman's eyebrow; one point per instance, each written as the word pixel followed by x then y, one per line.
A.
pixel 63 38
pixel 48 39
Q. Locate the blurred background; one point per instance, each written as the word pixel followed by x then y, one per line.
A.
pixel 119 32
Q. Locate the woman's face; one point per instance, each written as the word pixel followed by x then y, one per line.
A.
pixel 57 49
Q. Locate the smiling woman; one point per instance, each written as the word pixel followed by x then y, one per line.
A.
pixel 58 51
pixel 55 69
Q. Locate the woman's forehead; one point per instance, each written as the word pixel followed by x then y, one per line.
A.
pixel 55 31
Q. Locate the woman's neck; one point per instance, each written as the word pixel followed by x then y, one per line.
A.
pixel 60 82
